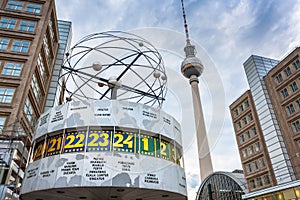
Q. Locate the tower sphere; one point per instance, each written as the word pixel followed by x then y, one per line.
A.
pixel 191 66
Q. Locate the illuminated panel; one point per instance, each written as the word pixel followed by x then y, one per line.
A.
pixel 99 141
pixel 148 145
pixel 38 150
pixel 178 156
pixel 74 141
pixel 54 144
pixel 124 141
pixel 173 153
pixel 165 150
pixel 106 140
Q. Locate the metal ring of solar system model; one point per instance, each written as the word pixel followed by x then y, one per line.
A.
pixel 120 145
pixel 115 65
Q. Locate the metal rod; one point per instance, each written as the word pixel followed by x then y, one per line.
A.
pixel 185 24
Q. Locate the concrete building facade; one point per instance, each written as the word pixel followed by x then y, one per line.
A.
pixel 28 48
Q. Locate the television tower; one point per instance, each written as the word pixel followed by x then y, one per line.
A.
pixel 192 68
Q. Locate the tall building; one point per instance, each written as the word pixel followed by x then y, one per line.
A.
pixel 283 84
pixel 266 124
pixel 192 68
pixel 55 89
pixel 253 151
pixel 28 48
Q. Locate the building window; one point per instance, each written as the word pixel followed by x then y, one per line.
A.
pixel 51 30
pixel 257 146
pixel 261 162
pixel 244 120
pixel 259 182
pixel 14 5
pixel 266 180
pixel 2 122
pixel 252 184
pixel 27 26
pixel 41 66
pixel 279 78
pixel 245 153
pixel 296 64
pixel 248 168
pixel 251 150
pixel 284 93
pixel 20 46
pixel 36 89
pixel 287 71
pixel 298 103
pixel 12 69
pixel 248 135
pixel 6 95
pixel 290 109
pixel 241 108
pixel 242 139
pixel 250 117
pixel 235 111
pixel 294 86
pixel 255 165
pixel 253 131
pixel 46 48
pixel 246 103
pixel 3 43
pixel 28 112
pixel 8 23
pixel 238 124
pixel 33 8
pixel 296 126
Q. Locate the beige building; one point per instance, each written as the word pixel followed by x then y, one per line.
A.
pixel 266 121
pixel 28 49
pixel 253 152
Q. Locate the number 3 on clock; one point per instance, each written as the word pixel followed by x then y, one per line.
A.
pixel 99 141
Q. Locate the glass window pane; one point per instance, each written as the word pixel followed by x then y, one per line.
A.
pixel 3 43
pixel 2 122
pixel 14 5
pixel 12 69
pixel 7 23
pixel 27 26
pixel 20 46
pixel 6 95
pixel 33 8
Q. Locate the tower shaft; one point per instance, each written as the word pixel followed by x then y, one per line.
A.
pixel 202 141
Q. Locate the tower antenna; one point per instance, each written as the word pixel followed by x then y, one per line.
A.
pixel 185 23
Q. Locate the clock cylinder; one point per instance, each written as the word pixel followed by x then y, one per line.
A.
pixel 106 149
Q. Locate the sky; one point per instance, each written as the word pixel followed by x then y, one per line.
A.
pixel 225 33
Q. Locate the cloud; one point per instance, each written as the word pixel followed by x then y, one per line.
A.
pixel 193 180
